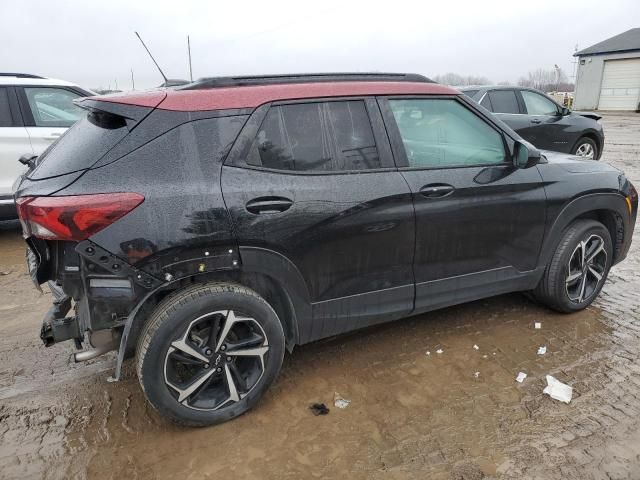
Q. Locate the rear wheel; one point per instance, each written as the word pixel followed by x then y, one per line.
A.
pixel 209 352
pixel 586 148
pixel 578 268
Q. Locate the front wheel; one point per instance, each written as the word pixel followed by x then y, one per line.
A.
pixel 208 353
pixel 578 269
pixel 586 148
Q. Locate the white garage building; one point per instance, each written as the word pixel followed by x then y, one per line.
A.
pixel 608 76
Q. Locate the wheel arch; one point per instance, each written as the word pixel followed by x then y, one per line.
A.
pixel 610 209
pixel 270 274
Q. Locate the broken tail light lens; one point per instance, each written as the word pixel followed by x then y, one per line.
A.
pixel 73 217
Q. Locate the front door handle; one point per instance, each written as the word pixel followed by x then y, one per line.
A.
pixel 436 190
pixel 262 205
pixel 536 121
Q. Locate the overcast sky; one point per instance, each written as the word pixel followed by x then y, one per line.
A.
pixel 93 44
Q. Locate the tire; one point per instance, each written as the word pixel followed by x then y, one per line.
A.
pixel 221 338
pixel 586 147
pixel 563 293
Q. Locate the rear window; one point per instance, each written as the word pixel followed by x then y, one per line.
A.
pixel 82 145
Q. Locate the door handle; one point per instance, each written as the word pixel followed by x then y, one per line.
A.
pixel 436 190
pixel 262 205
pixel 53 136
pixel 536 121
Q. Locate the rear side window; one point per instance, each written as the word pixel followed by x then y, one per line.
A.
pixel 82 145
pixel 504 101
pixel 323 136
pixel 5 111
pixel 444 133
pixel 53 107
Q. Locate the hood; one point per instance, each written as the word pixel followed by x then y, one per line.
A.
pixel 591 115
pixel 575 164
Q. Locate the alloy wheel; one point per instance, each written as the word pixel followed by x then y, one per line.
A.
pixel 217 361
pixel 585 150
pixel 586 269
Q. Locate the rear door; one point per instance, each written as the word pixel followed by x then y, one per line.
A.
pixel 506 105
pixel 315 182
pixel 479 220
pixel 48 113
pixel 14 142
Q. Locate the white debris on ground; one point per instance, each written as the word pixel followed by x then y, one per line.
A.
pixel 521 376
pixel 428 352
pixel 340 402
pixel 537 325
pixel 476 347
pixel 558 390
pixel 439 351
pixel 542 350
pixel 476 375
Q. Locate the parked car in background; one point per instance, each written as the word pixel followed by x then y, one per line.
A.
pixel 206 228
pixel 34 111
pixel 541 121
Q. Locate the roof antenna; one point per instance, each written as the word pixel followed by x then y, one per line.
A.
pixel 166 80
pixel 189 49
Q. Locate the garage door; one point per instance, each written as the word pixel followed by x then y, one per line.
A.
pixel 620 85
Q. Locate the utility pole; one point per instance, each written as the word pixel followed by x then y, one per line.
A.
pixel 133 82
pixel 189 49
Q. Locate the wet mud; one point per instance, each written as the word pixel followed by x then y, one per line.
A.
pixel 458 414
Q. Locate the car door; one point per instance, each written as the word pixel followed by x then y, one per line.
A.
pixel 316 184
pixel 48 112
pixel 479 219
pixel 547 128
pixel 14 142
pixel 505 104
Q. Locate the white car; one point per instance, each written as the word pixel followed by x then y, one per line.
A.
pixel 34 111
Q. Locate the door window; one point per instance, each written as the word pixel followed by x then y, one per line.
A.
pixel 537 104
pixel 5 111
pixel 440 133
pixel 324 136
pixel 53 107
pixel 504 101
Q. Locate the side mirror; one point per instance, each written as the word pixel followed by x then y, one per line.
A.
pixel 564 111
pixel 28 159
pixel 525 156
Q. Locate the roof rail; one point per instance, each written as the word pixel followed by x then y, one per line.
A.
pixel 243 81
pixel 20 75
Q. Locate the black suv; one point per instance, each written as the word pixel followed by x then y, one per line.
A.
pixel 541 121
pixel 208 228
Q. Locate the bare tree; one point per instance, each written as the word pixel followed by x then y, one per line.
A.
pixel 461 80
pixel 546 80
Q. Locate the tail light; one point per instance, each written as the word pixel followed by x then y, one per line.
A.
pixel 73 217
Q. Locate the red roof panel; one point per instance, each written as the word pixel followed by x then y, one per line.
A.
pixel 254 96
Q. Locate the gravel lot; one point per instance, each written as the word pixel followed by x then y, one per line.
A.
pixel 412 415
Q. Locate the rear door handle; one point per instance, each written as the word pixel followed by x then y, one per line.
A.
pixel 262 205
pixel 536 121
pixel 53 136
pixel 436 190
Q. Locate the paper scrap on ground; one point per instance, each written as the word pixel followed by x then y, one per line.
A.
pixel 428 352
pixel 558 390
pixel 521 376
pixel 542 350
pixel 476 375
pixel 538 325
pixel 476 347
pixel 439 350
pixel 340 402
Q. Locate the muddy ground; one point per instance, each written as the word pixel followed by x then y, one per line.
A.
pixel 412 415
